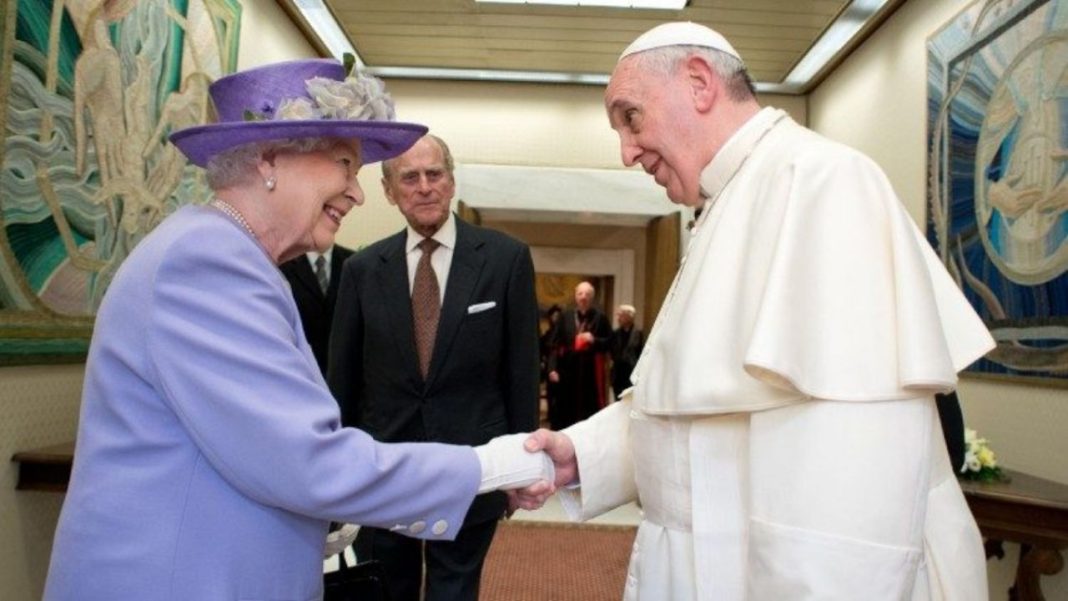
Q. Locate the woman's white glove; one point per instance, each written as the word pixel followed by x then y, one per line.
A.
pixel 506 465
pixel 338 540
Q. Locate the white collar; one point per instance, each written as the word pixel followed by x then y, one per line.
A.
pixel 445 236
pixel 719 171
pixel 328 254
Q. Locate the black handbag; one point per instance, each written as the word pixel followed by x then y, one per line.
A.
pixel 365 581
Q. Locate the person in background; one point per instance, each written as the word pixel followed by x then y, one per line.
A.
pixel 313 277
pixel 578 366
pixel 781 435
pixel 952 419
pixel 552 315
pixel 435 338
pixel 626 347
pixel 210 457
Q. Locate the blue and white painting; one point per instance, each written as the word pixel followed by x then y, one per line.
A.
pixel 998 191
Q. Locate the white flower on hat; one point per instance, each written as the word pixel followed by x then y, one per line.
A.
pixel 298 109
pixel 358 97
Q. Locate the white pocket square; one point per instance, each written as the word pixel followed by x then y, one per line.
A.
pixel 480 307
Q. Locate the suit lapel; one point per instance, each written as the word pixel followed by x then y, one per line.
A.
pixel 306 277
pixel 337 262
pixel 467 262
pixel 393 282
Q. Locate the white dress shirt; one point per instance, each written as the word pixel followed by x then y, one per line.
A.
pixel 441 260
pixel 328 255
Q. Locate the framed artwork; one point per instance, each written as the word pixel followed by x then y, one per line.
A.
pixel 89 90
pixel 997 187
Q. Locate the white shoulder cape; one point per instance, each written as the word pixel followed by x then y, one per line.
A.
pixel 805 279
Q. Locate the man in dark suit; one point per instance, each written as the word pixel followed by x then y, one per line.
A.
pixel 313 279
pixel 626 346
pixel 436 339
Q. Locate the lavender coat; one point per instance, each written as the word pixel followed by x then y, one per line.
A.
pixel 210 456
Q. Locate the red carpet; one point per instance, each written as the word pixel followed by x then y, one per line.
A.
pixel 551 561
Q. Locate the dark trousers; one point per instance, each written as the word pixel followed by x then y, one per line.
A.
pixel 453 568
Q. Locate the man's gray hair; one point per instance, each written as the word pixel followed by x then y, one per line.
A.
pixel 237 166
pixel 387 165
pixel 735 77
pixel 628 309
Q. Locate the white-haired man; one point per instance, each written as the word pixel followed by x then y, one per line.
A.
pixel 782 435
pixel 625 348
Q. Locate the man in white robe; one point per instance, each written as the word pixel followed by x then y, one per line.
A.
pixel 781 435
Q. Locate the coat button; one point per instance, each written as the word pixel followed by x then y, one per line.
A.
pixel 417 527
pixel 440 527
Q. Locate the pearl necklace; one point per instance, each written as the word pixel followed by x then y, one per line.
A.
pixel 233 213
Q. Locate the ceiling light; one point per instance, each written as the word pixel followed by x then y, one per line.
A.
pixel 833 39
pixel 323 23
pixel 599 79
pixel 648 4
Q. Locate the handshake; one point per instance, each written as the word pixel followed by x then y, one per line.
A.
pixel 507 465
pixel 529 466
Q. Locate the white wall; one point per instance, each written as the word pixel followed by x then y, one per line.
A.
pixel 38 407
pixel 876 102
pixel 268 36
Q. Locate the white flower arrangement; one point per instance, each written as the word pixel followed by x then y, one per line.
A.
pixel 358 97
pixel 979 460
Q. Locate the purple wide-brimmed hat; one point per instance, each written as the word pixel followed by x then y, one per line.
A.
pixel 299 99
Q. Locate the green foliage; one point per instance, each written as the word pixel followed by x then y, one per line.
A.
pixel 985 474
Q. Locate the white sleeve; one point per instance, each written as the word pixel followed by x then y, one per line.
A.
pixel 606 466
pixel 506 465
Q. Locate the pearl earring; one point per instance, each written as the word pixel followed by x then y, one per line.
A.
pixel 270 182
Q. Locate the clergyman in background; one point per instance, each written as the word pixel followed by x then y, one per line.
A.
pixel 578 364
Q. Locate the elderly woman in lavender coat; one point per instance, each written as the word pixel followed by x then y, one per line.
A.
pixel 210 458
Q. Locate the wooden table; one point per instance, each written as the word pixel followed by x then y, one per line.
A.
pixel 1027 510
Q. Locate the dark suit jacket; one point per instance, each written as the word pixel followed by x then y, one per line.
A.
pixel 483 378
pixel 626 347
pixel 316 309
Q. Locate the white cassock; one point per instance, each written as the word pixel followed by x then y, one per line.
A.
pixel 782 436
